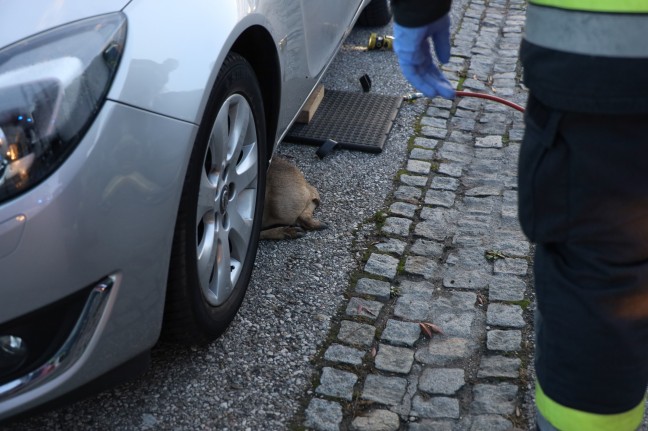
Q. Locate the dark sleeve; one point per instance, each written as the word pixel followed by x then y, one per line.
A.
pixel 416 13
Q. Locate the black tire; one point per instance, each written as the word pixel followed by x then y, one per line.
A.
pixel 214 248
pixel 376 14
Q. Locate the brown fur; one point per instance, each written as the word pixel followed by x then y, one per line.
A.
pixel 289 202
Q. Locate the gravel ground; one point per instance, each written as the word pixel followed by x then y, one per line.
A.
pixel 254 376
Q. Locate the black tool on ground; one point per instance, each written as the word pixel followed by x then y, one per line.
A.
pixel 365 81
pixel 326 148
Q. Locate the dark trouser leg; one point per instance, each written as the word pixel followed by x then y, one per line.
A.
pixel 584 201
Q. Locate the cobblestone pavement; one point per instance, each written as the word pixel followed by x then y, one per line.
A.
pixel 436 333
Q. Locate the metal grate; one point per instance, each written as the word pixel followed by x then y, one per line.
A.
pixel 356 121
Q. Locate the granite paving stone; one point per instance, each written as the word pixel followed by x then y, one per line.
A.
pixel 454 301
pixel 422 154
pixel 432 425
pixel 435 407
pixel 492 154
pixel 344 354
pixel 484 191
pixel 382 265
pixel 379 289
pixel 455 156
pixel 363 307
pixel 441 351
pixel 470 258
pixel 457 136
pixel 479 205
pixel 441 216
pixel 408 193
pixel 418 167
pixel 394 359
pixel 494 399
pixel 442 198
pixel 376 420
pixel 412 307
pixel 460 279
pixel 403 209
pixel 511 266
pixel 455 324
pixel 441 123
pixel 506 288
pixel 397 226
pixel 337 383
pixel 494 141
pixel 391 245
pixel 323 415
pixel 432 230
pixel 459 147
pixel 354 333
pixel 451 169
pixel 438 111
pixel 425 142
pixel 516 134
pixel 423 266
pixel 443 381
pixel 507 341
pixel 383 389
pixel 499 366
pixel 462 123
pixel 470 236
pixel 434 132
pixel 510 211
pixel 445 183
pixel 414 180
pixel 401 333
pixel 491 423
pixel 424 247
pixel 512 247
pixel 505 315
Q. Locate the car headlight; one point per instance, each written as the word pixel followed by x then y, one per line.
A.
pixel 52 86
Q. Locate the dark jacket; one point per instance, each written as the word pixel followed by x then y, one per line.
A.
pixel 587 61
pixel 417 13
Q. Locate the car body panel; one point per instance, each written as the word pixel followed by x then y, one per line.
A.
pixel 128 155
pixel 119 160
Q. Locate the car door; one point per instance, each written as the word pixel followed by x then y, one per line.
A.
pixel 308 34
pixel 325 24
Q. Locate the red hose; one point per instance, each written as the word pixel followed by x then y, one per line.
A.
pixel 490 97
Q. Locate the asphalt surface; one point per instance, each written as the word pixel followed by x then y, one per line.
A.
pixel 256 375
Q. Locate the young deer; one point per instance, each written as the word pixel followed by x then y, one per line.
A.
pixel 289 202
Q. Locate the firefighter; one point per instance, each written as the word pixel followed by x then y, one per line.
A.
pixel 583 195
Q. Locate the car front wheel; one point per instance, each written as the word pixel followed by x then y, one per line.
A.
pixel 219 220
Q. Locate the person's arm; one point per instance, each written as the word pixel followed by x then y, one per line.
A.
pixel 419 25
pixel 416 13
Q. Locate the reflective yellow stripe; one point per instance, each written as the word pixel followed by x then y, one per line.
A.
pixel 620 6
pixel 567 419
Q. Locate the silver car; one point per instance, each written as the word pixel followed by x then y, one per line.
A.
pixel 134 141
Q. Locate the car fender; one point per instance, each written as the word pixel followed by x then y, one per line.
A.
pixel 169 70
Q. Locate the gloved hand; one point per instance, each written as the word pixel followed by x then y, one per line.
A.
pixel 412 46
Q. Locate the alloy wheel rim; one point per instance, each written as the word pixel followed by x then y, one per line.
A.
pixel 226 200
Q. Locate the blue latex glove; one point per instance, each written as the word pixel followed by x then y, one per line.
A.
pixel 412 46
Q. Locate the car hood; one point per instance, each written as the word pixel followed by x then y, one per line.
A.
pixel 22 19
